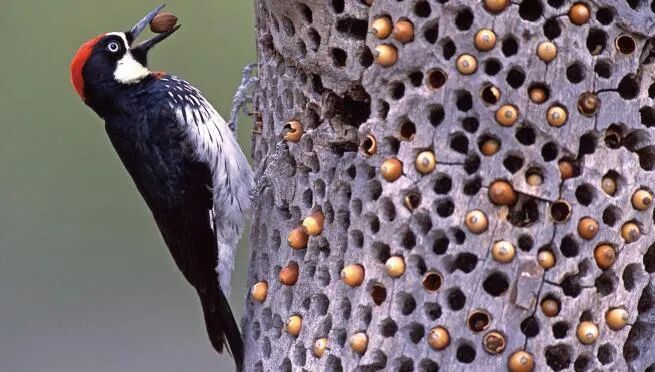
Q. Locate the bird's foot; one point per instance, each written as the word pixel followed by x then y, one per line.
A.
pixel 243 96
pixel 273 169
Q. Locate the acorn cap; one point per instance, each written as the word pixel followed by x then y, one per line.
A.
pixel 494 342
pixel 588 103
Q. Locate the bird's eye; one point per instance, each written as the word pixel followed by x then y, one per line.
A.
pixel 113 47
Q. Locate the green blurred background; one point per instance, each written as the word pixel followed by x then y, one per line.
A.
pixel 86 283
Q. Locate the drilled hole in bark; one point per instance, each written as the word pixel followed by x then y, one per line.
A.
pixel 525 243
pixel 571 285
pixel 288 27
pixel 558 357
pixel 582 363
pixel 472 186
pixel 432 310
pixel 605 15
pixel 443 184
pixel 510 46
pixel 352 28
pixel 464 100
pixel 409 240
pixel 470 124
pixel 406 303
pixel 515 77
pixel 647 158
pixel 339 57
pixel 631 274
pixel 496 284
pixel 626 44
pixel 407 130
pixel 492 66
pixel 526 136
pixel 647 116
pixel 465 353
pixel 530 327
pixel 628 87
pixel 464 19
pixel 388 327
pixel 432 281
pixel 596 41
pixel 440 245
pixel 605 354
pixel 448 49
pixel 416 78
pixel 464 262
pixel 431 31
pixel 460 143
pixel 285 366
pixel 560 211
pixel 436 79
pixel 445 207
pixel 606 283
pixel 422 9
pixel 576 73
pixel 513 162
pixel 338 6
pixel 478 320
pixel 427 365
pixel 381 251
pixel 552 29
pixel 549 151
pixel 603 69
pixel 378 294
pixel 374 189
pixel 585 194
pixel 560 329
pixel 569 247
pixel 472 163
pixel 456 299
pixel 649 259
pixel 364 56
pixel 397 90
pixel 415 332
pixel 531 10
pixel 436 114
pixel 524 213
pixel 356 238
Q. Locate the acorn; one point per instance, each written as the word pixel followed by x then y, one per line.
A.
pixel 485 40
pixel 432 281
pixel 550 307
pixel 605 255
pixel 385 55
pixel 556 116
pixel 358 342
pixel 534 179
pixel 496 6
pixel 319 346
pixel 579 14
pixel 395 266
pixel 313 223
pixel 391 169
pixel 293 131
pixel 490 94
pixel 546 259
pixel 289 274
pixel 642 199
pixel 466 64
pixel 617 318
pixel 490 147
pixel 587 332
pixel 293 325
pixel 494 342
pixel 438 338
pixel 537 94
pixel 520 361
pixel 297 238
pixel 353 275
pixel 259 291
pixel 547 51
pixel 507 115
pixel 608 184
pixel 503 251
pixel 566 169
pixel 381 27
pixel 476 221
pixel 588 228
pixel 630 232
pixel 368 146
pixel 403 31
pixel 501 192
pixel 163 22
pixel 426 162
pixel 368 2
pixel 588 104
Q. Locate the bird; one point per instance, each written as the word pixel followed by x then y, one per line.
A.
pixel 183 158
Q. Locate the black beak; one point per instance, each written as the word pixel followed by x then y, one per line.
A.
pixel 140 51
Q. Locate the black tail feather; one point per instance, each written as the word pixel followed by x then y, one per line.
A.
pixel 221 325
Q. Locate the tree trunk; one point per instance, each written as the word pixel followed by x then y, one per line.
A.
pixel 569 133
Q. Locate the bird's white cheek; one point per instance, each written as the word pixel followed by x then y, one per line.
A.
pixel 129 71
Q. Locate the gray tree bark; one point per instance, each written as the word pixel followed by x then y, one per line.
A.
pixel 319 66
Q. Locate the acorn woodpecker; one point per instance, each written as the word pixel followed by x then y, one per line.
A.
pixel 183 158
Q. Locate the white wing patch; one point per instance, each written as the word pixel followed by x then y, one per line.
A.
pixel 214 144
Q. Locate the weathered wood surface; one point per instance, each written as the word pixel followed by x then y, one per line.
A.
pixel 342 96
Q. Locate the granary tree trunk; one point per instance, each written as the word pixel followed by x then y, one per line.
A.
pixel 484 170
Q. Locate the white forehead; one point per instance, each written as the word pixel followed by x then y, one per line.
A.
pixel 123 37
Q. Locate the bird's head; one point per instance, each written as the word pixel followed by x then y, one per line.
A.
pixel 109 61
